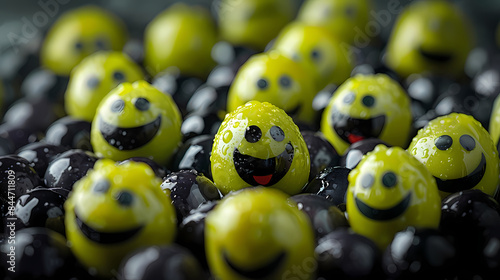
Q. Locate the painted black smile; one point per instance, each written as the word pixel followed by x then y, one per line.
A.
pixel 464 183
pixel 436 57
pixel 125 139
pixel 383 214
pixel 263 172
pixel 105 237
pixel 260 272
pixel 352 130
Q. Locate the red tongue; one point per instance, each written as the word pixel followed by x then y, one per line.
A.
pixel 354 138
pixel 263 180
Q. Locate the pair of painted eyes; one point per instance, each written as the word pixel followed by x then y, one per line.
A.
pixel 93 81
pixel 253 133
pixel 389 180
pixel 141 103
pixel 349 11
pixel 444 142
pixel 124 198
pixel 284 81
pixel 100 44
pixel 367 100
pixel 315 55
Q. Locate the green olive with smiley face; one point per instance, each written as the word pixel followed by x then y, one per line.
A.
pixel 136 120
pixel 258 144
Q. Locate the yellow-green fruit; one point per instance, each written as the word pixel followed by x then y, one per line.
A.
pixel 494 128
pixel 272 77
pixel 253 23
pixel 371 106
pixel 318 51
pixel 114 210
pixel 388 191
pixel 343 18
pixel 459 153
pixel 180 39
pixel 136 120
pixel 256 234
pixel 92 79
pixel 78 33
pixel 259 144
pixel 430 37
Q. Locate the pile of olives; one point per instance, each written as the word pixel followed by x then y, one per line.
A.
pixel 259 139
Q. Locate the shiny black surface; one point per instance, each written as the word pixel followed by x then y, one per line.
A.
pixel 18 169
pixel 471 220
pixel 188 190
pixel 195 154
pixel 161 263
pixel 332 184
pixel 68 167
pixel 69 132
pixel 40 254
pixel 343 254
pixel 40 154
pixel 41 207
pixel 325 217
pixel 192 230
pixel 321 152
pixel 419 253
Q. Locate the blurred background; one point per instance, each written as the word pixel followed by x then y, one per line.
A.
pixel 484 14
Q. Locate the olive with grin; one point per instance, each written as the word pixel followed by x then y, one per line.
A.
pixel 259 144
pixel 459 153
pixel 388 191
pixel 367 106
pixel 275 78
pixel 115 210
pixel 257 233
pixel 136 120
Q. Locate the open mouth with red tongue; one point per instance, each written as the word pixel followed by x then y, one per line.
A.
pixel 263 172
pixel 352 130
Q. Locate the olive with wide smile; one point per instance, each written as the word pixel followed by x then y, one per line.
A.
pixel 260 272
pixel 139 135
pixel 265 172
pixel 136 120
pixel 367 106
pixel 114 210
pixel 258 144
pixel 259 233
pixel 388 191
pixel 460 154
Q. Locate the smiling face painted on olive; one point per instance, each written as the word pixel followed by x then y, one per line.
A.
pixel 430 37
pixel 272 77
pixel 372 106
pixel 257 234
pixel 459 152
pixel 77 34
pixel 258 144
pixel 317 50
pixel 340 17
pixel 389 190
pixel 136 120
pixel 114 210
pixel 93 78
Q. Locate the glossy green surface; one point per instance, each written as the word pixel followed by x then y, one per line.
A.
pixel 388 191
pixel 256 233
pixel 109 203
pixel 232 136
